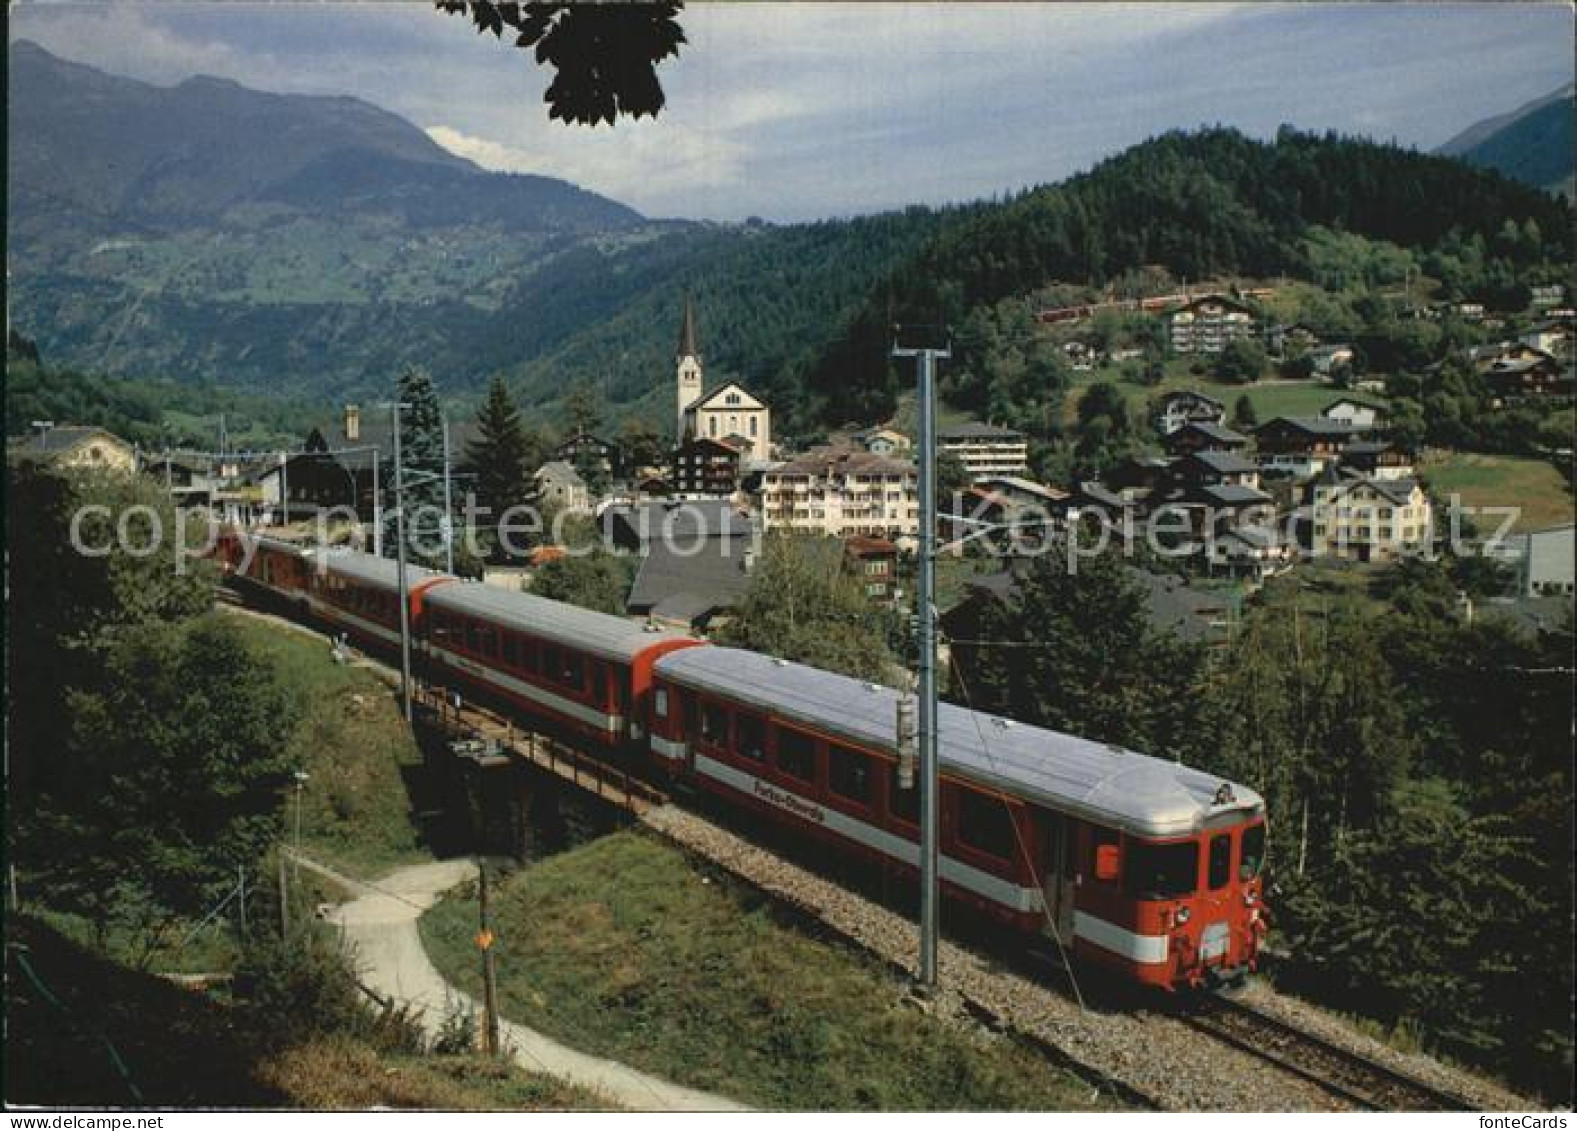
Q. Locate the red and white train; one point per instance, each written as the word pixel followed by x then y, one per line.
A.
pixel 1138 865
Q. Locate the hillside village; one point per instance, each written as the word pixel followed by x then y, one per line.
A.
pixel 1233 499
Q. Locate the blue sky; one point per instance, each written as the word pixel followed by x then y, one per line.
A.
pixel 797 111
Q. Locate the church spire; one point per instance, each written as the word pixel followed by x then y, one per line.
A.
pixel 687 332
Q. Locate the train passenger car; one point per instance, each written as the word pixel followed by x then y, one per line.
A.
pixel 587 672
pixel 359 594
pixel 266 565
pixel 1135 864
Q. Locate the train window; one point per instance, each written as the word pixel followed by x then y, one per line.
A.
pixel 511 650
pixel 1253 852
pixel 550 661
pixel 473 636
pixel 528 654
pixel 1161 871
pixel 750 737
pixel 797 754
pixel 599 683
pixel 714 723
pixel 902 803
pixel 985 824
pixel 660 702
pixel 487 640
pixel 573 671
pixel 1220 860
pixel 848 773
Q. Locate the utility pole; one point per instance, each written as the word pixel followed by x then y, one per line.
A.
pixel 399 556
pixel 484 940
pixel 926 358
pixel 448 501
pixel 284 899
pixel 377 507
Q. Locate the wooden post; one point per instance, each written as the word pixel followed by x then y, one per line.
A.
pixel 489 975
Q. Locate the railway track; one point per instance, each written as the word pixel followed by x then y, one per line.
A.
pixel 1347 1075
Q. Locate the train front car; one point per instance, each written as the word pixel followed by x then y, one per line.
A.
pixel 587 673
pixel 1162 875
pixel 1134 864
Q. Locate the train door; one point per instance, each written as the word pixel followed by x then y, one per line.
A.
pixel 1058 857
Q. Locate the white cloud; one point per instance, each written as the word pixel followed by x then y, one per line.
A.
pixel 656 169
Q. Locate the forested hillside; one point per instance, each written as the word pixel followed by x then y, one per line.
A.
pixel 1198 205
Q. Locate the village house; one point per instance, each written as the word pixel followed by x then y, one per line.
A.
pixel 583 449
pixel 1199 436
pixel 985 449
pixel 1216 468
pixel 695 559
pixel 705 468
pixel 1328 360
pixel 77 446
pixel 840 492
pixel 1296 340
pixel 874 561
pixel 562 487
pixel 1532 374
pixel 1554 337
pixel 1367 519
pixel 1379 459
pixel 882 441
pixel 1301 446
pixel 1184 406
pixel 1356 413
pixel 1206 324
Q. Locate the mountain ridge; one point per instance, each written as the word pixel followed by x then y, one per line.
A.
pixel 1532 144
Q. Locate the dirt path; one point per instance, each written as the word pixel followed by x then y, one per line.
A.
pixel 380 924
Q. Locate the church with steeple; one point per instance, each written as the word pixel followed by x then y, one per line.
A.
pixel 729 414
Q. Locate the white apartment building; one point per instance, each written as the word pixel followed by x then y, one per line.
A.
pixel 985 449
pixel 842 493
pixel 1368 519
pixel 1208 323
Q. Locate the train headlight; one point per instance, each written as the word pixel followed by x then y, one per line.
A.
pixel 1182 916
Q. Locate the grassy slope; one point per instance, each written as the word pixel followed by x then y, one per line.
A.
pixel 622 948
pixel 185 1049
pixel 366 775
pixel 1484 480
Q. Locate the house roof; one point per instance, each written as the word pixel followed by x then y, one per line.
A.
pixel 558 469
pixel 1107 784
pixel 682 522
pixel 1217 432
pixel 60 440
pixel 1223 463
pixel 1215 299
pixel 680 581
pixel 1313 425
pixel 1027 486
pixel 1190 395
pixel 843 461
pixel 1233 494
pixel 974 430
pixel 1359 401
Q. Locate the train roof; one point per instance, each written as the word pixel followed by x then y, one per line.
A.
pixel 600 634
pixel 1106 784
pixel 371 569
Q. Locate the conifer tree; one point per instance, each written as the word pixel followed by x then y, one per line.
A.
pixel 503 456
pixel 422 462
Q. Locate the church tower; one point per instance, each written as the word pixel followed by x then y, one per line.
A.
pixel 689 368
